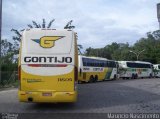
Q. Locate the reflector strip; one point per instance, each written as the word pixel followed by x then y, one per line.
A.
pixel 47 65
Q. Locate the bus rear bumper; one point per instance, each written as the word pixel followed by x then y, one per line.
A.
pixel 29 96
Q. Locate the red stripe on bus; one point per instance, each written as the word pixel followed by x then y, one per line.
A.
pixel 47 65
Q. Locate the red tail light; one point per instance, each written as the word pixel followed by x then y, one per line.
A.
pixel 19 72
pixel 47 65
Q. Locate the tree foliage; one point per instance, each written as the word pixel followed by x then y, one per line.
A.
pixel 120 51
pixel 8 50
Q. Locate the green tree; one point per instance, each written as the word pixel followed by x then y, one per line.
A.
pixel 120 51
pixel 7 48
pixel 151 45
pixel 6 61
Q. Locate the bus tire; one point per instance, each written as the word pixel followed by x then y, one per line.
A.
pixel 91 79
pixel 150 76
pixel 136 76
pixel 115 77
pixel 133 76
pixel 96 78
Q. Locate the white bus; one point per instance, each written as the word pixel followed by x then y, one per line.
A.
pixel 92 69
pixel 156 70
pixel 135 69
pixel 48 62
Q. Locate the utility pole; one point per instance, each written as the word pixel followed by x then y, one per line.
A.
pixel 158 13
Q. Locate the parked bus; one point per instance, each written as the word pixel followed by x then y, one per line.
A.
pixel 92 69
pixel 135 69
pixel 47 66
pixel 157 70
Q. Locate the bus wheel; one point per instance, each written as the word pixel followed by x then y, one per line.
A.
pixel 150 76
pixel 133 76
pixel 115 77
pixel 96 78
pixel 91 79
pixel 136 76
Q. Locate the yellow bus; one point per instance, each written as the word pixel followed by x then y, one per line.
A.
pixel 92 69
pixel 48 61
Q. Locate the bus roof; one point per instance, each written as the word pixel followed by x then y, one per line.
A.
pixel 156 64
pixel 137 62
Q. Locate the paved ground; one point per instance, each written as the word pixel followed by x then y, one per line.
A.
pixel 140 95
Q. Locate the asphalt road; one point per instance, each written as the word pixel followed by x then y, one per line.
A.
pixel 122 96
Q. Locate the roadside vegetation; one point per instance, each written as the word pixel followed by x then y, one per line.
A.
pixel 121 51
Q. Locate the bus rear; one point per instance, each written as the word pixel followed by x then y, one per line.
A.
pixel 48 66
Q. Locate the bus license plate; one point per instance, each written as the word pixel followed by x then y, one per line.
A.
pixel 46 94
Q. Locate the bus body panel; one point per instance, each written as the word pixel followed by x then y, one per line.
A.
pixel 139 71
pixel 64 82
pixel 47 69
pixel 114 73
pixel 60 91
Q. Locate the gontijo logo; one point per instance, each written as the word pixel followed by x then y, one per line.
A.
pixel 47 41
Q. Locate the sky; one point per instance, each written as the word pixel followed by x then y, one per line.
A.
pixel 97 22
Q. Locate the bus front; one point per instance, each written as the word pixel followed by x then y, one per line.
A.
pixel 48 66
